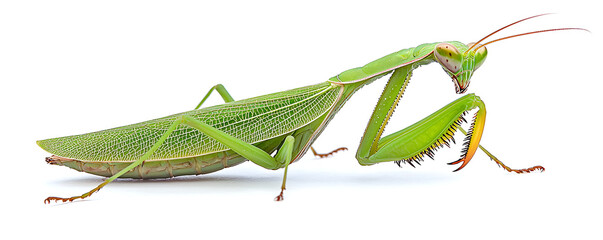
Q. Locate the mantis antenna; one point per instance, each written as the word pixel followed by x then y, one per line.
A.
pixel 528 33
pixel 517 35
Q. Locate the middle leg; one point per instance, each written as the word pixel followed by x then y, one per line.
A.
pixel 252 153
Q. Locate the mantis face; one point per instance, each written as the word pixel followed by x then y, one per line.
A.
pixel 460 66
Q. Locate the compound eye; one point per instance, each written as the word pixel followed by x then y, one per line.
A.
pixel 480 54
pixel 449 57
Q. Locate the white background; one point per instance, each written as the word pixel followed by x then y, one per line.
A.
pixel 70 67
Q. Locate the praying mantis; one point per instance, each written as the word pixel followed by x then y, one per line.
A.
pixel 277 129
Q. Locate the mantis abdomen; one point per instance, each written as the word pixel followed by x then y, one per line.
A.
pixel 163 168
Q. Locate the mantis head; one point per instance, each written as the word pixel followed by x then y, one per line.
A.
pixel 461 65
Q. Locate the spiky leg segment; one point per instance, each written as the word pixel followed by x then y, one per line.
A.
pixel 445 140
pixel 473 138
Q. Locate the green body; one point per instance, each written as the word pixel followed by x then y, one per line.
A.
pixel 209 139
pixel 263 121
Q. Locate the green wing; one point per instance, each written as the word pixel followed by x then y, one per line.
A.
pixel 252 120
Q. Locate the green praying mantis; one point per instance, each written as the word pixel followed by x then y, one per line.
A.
pixel 277 129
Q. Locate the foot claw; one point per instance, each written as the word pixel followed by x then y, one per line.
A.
pixel 457 162
pixel 280 197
